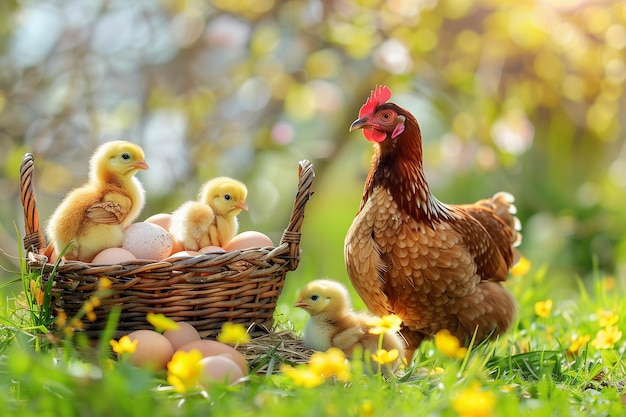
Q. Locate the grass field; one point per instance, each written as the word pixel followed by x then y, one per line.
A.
pixel 564 357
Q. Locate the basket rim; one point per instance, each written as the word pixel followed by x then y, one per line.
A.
pixel 35 243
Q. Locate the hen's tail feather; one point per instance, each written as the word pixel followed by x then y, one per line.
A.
pixel 502 204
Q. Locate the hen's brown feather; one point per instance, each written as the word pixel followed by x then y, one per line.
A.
pixel 436 266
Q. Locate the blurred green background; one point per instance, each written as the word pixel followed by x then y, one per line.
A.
pixel 524 96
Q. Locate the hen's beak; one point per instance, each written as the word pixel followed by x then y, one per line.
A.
pixel 359 124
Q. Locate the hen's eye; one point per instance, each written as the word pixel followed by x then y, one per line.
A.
pixel 227 197
pixel 386 115
pixel 125 156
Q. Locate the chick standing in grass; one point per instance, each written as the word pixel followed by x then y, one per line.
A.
pixel 212 220
pixel 334 323
pixel 93 217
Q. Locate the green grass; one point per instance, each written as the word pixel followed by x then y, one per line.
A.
pixel 527 372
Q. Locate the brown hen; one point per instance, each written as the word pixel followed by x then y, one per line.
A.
pixel 437 266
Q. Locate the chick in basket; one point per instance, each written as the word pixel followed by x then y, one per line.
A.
pixel 212 219
pixel 334 323
pixel 93 217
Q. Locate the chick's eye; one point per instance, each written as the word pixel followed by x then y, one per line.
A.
pixel 227 197
pixel 315 297
pixel 125 156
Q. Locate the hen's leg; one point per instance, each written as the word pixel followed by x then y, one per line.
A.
pixel 413 340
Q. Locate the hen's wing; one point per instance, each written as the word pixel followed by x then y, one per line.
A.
pixel 362 255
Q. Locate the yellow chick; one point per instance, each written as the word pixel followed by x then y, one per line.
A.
pixel 93 217
pixel 190 225
pixel 212 220
pixel 334 323
pixel 227 197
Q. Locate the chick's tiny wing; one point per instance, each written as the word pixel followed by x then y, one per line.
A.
pixel 105 213
pixel 113 208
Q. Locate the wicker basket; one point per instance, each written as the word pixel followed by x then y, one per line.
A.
pixel 240 286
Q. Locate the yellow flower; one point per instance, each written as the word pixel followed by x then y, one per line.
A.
pixel 161 323
pixel 367 409
pixel 104 283
pixel 36 293
pixel 384 357
pixel 543 308
pixel 331 363
pixel 302 376
pixel 437 371
pixel 385 324
pixel 449 345
pixel 578 342
pixel 89 306
pixel 607 338
pixel 233 334
pixel 473 402
pixel 521 268
pixel 607 318
pixel 124 345
pixel 609 283
pixel 61 319
pixel 184 369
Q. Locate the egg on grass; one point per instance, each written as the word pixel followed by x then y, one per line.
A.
pixel 220 368
pixel 214 348
pixel 153 350
pixel 185 333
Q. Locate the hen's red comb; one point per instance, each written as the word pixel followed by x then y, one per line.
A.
pixel 379 95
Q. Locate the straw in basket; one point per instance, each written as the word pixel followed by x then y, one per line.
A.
pixel 240 286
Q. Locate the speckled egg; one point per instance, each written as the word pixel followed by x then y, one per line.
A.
pixel 147 241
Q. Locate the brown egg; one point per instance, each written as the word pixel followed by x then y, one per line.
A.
pixel 153 351
pixel 214 348
pixel 177 246
pixel 147 241
pixel 249 239
pixel 181 254
pixel 219 368
pixel 207 249
pixel 161 219
pixel 186 333
pixel 112 256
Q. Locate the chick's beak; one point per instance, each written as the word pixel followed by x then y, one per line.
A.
pixel 359 124
pixel 300 303
pixel 140 165
pixel 242 205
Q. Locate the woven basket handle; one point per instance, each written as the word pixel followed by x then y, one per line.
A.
pixel 34 240
pixel 292 234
